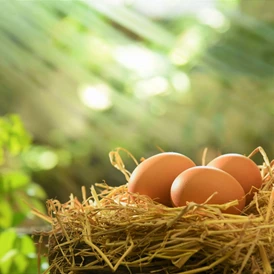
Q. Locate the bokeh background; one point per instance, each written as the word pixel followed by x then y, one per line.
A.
pixel 85 77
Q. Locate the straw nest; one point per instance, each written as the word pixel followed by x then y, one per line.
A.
pixel 113 230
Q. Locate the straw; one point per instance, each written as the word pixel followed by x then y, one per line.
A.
pixel 113 230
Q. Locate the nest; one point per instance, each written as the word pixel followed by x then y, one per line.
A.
pixel 112 230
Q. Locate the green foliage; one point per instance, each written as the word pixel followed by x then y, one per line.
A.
pixel 13 137
pixel 16 252
pixel 17 194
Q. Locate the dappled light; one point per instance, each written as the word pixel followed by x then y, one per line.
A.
pixel 96 97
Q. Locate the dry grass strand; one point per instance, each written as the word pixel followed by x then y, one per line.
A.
pixel 121 231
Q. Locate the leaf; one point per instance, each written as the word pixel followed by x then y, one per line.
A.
pixel 13 136
pixel 35 190
pixel 21 204
pixel 6 261
pixel 19 138
pixel 14 180
pixel 7 240
pixel 16 253
pixel 20 263
pixel 7 251
pixel 33 266
pixel 4 131
pixel 14 145
pixel 6 216
pixel 26 253
pixel 18 218
pixel 26 245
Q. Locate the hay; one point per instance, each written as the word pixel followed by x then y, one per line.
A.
pixel 115 231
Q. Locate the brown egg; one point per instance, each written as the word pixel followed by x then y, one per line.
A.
pixel 197 184
pixel 243 169
pixel 154 176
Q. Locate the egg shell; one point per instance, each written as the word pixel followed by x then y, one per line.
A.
pixel 243 169
pixel 153 177
pixel 198 183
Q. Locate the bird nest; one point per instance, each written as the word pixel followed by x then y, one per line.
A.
pixel 112 230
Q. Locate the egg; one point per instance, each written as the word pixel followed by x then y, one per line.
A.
pixel 198 183
pixel 153 177
pixel 243 169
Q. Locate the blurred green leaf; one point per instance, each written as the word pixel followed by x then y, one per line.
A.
pixel 7 251
pixel 6 262
pixel 20 264
pixel 19 133
pixel 21 204
pixel 18 218
pixel 4 131
pixel 13 137
pixel 36 191
pixel 16 252
pixel 12 180
pixel 6 213
pixel 26 245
